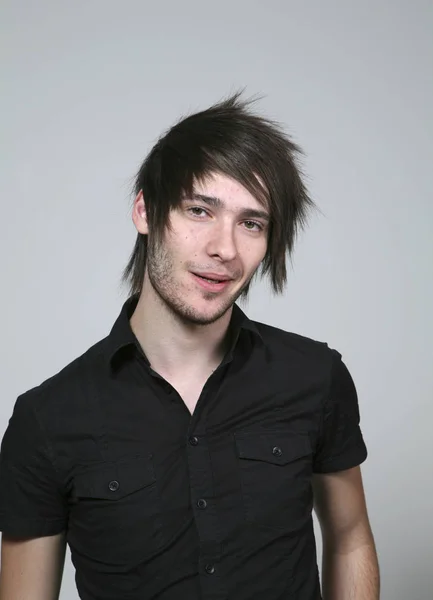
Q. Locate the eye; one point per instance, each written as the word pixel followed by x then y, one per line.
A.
pixel 253 226
pixel 197 211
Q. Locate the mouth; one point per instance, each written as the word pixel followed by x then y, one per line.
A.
pixel 210 283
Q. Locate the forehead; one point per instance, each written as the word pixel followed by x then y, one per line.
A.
pixel 233 193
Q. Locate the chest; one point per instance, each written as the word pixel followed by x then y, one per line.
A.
pixel 151 473
pixel 218 485
pixel 189 391
pixel 188 385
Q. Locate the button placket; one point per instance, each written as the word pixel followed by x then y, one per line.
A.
pixel 205 512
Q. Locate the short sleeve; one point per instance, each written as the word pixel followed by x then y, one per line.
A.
pixel 341 445
pixel 31 499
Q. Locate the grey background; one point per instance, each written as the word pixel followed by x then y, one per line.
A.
pixel 87 88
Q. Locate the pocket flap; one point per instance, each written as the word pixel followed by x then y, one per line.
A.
pixel 277 447
pixel 111 481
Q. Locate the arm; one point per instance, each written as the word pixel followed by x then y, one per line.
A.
pixel 350 568
pixel 33 509
pixel 32 568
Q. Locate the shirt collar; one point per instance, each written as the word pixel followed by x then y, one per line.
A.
pixel 121 335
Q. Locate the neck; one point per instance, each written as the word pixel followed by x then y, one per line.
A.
pixel 171 344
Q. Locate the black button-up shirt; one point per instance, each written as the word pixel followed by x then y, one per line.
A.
pixel 161 504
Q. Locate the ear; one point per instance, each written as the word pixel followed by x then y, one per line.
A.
pixel 139 216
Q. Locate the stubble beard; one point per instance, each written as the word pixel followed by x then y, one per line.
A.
pixel 160 271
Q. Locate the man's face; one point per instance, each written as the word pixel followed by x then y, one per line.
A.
pixel 216 242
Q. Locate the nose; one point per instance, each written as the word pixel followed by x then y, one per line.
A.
pixel 222 242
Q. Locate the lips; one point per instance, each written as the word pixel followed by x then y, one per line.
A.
pixel 213 277
pixel 209 281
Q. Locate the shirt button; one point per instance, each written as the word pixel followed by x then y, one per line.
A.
pixel 210 569
pixel 201 503
pixel 277 451
pixel 113 486
pixel 193 440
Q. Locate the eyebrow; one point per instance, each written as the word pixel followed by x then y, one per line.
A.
pixel 218 203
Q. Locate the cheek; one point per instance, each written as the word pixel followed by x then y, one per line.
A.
pixel 184 245
pixel 181 239
pixel 193 241
pixel 254 254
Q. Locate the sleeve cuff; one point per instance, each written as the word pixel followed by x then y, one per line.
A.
pixel 30 527
pixel 341 462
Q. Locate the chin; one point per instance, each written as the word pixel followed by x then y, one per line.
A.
pixel 201 315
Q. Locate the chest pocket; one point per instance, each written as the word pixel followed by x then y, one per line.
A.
pixel 275 474
pixel 115 511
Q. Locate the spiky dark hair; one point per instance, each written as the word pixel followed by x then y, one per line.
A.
pixel 227 138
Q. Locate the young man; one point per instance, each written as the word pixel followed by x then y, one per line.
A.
pixel 181 456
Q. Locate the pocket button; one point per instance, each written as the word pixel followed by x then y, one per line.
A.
pixel 113 486
pixel 277 451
